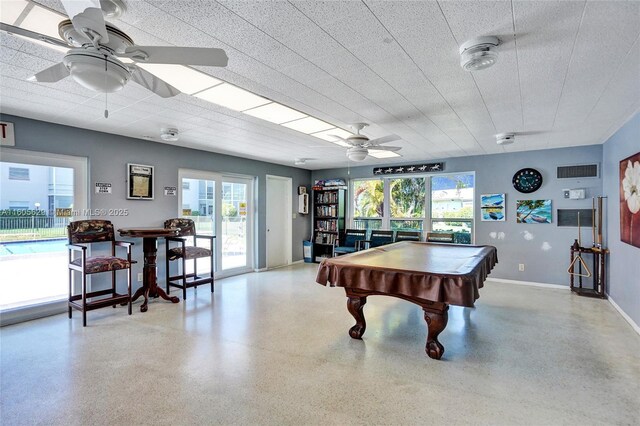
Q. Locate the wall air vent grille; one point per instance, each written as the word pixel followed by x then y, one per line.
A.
pixel 579 171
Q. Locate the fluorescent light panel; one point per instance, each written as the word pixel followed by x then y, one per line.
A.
pixel 11 10
pixel 327 135
pixel 185 79
pixel 232 97
pixel 275 113
pixel 383 154
pixel 43 21
pixel 308 125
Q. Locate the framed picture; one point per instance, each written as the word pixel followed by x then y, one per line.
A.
pixel 630 200
pixel 533 211
pixel 492 207
pixel 139 182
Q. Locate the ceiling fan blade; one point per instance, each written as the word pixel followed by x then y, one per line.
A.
pixel 153 83
pixel 384 148
pixel 384 139
pixel 33 35
pixel 177 55
pixel 51 74
pixel 86 15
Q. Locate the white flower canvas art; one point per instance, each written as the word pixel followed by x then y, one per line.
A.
pixel 630 200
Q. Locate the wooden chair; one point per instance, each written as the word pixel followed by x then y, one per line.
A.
pixel 440 237
pixel 349 242
pixel 81 235
pixel 186 252
pixel 378 238
pixel 408 236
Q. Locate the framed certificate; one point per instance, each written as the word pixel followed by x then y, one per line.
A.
pixel 139 182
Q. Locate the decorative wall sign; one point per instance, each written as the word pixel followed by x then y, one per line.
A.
pixel 527 180
pixel 533 211
pixel 103 188
pixel 630 200
pixel 170 191
pixel 416 168
pixel 140 182
pixel 492 207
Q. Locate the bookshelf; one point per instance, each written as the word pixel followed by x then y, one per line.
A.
pixel 328 220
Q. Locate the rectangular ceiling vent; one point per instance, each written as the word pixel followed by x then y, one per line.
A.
pixel 579 171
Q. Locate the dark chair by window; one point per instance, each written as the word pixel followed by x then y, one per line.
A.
pixel 440 237
pixel 81 235
pixel 378 238
pixel 349 242
pixel 408 236
pixel 186 252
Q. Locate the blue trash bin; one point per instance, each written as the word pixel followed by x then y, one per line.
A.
pixel 307 251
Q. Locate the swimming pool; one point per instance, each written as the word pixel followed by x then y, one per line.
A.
pixel 29 247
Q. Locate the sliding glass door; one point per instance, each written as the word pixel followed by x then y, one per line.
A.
pixel 221 205
pixel 39 195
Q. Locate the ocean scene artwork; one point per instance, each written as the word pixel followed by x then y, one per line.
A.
pixel 533 211
pixel 492 207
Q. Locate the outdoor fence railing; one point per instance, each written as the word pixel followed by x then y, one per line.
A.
pixel 32 228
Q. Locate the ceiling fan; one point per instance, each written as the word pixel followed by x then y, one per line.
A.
pixel 103 58
pixel 359 145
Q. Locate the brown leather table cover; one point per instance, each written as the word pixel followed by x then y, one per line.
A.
pixel 448 273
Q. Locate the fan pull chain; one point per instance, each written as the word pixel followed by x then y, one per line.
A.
pixel 106 110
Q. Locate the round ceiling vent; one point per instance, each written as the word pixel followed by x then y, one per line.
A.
pixel 479 53
pixel 169 135
pixel 505 138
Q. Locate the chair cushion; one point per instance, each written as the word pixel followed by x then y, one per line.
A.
pixel 102 264
pixel 342 249
pixel 192 252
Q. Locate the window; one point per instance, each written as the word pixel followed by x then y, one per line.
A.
pixel 368 203
pixel 452 206
pixel 18 173
pixel 441 203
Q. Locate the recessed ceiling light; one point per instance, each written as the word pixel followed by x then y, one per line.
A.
pixel 232 97
pixel 275 113
pixel 185 79
pixel 383 154
pixel 308 125
pixel 479 53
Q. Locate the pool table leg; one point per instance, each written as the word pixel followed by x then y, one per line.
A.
pixel 436 318
pixel 355 305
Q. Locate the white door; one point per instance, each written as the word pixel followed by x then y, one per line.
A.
pixel 279 226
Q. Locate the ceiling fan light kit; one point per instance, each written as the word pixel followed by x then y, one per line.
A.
pixel 357 153
pixel 96 71
pixel 479 53
pixel 505 138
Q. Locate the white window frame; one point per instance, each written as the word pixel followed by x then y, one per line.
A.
pixel 427 220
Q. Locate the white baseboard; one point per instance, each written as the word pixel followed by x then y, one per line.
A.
pixel 530 283
pixel 624 315
pixel 278 267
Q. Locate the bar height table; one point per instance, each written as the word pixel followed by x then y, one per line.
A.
pixel 150 249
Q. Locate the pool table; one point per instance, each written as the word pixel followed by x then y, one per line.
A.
pixel 430 275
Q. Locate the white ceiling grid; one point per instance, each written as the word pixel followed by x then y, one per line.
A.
pixel 567 72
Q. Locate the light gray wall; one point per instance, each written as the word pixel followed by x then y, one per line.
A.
pixel 108 155
pixel 624 262
pixel 493 175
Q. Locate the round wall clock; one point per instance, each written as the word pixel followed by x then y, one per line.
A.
pixel 527 180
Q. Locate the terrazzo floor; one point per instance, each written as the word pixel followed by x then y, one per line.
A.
pixel 273 348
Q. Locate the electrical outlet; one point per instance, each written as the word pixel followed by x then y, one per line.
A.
pixel 521 267
pixel 139 277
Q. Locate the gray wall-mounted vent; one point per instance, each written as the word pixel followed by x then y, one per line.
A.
pixel 579 171
pixel 569 217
